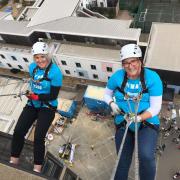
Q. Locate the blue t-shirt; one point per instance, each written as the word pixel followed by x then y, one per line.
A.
pixel 43 87
pixel 133 88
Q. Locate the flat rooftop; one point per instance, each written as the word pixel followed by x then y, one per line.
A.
pixel 163 47
pixel 94 53
pixel 14 47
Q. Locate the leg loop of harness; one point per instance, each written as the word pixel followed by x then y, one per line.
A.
pixel 147 124
pixel 143 124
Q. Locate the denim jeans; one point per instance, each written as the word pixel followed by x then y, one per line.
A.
pixel 147 142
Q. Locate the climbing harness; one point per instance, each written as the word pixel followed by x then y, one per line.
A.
pixel 136 101
pixel 128 123
pixel 142 80
pixel 45 76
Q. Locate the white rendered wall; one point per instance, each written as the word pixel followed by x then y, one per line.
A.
pixel 100 70
pixel 19 59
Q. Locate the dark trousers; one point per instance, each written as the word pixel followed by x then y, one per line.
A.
pixel 147 141
pixel 29 114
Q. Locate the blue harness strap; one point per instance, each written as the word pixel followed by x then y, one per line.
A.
pixel 142 80
pixel 45 77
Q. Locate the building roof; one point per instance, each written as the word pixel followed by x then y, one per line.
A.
pixel 163 47
pixel 93 27
pixel 50 11
pixel 10 107
pixel 14 27
pixel 82 26
pixel 104 54
pixel 57 17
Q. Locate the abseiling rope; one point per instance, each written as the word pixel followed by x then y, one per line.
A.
pixel 136 164
pixel 120 151
pixel 136 158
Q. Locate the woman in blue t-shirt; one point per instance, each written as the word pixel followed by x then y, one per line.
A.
pixel 45 83
pixel 130 91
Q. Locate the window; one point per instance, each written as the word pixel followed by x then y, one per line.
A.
pixel 67 72
pixel 93 67
pixel 2 56
pixel 1 39
pixel 52 167
pixel 109 69
pixel 25 59
pixel 63 62
pixel 101 4
pixel 9 65
pixel 20 67
pixel 108 77
pixel 14 58
pixel 81 74
pixel 78 65
pixel 95 76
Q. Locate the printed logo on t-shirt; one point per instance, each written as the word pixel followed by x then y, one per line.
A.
pixel 132 90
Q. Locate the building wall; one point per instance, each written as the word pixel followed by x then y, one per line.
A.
pixel 87 68
pixel 80 67
pixel 11 59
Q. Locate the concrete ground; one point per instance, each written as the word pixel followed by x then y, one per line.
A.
pixel 95 154
pixel 168 163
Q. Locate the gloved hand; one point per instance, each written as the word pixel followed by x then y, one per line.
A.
pixel 32 96
pixel 115 108
pixel 132 118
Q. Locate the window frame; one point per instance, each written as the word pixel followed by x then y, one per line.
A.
pixel 93 67
pixel 2 56
pixel 67 71
pixel 95 76
pixel 9 64
pixel 13 58
pixel 81 74
pixel 63 62
pixel 20 67
pixel 78 65
pixel 109 69
pixel 25 59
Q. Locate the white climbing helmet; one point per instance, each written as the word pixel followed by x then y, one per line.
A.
pixel 130 51
pixel 39 48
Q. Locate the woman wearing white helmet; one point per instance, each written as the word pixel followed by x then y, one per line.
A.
pixel 46 81
pixel 126 88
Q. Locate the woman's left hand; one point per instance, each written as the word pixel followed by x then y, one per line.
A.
pixel 32 96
